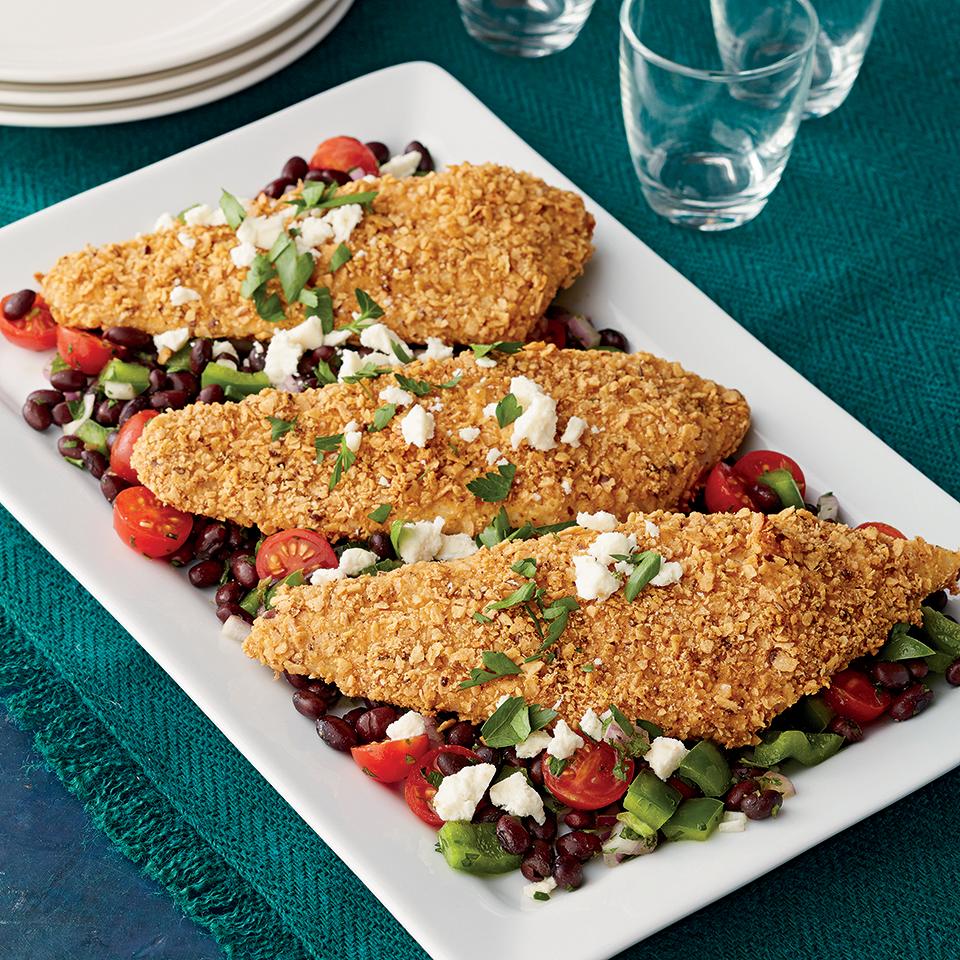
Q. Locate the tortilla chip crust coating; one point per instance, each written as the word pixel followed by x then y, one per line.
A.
pixel 658 429
pixel 471 255
pixel 767 610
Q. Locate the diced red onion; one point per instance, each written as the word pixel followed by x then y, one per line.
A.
pixel 582 330
pixel 236 629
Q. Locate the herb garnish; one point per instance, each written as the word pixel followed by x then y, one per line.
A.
pixel 400 353
pixel 526 568
pixel 323 373
pixel 646 565
pixel 327 444
pixel 232 209
pixel 493 487
pixel 278 427
pixel 381 513
pixel 503 346
pixel 421 388
pixel 340 256
pixel 382 416
pixel 635 744
pixel 508 409
pixel 369 371
pixel 557 766
pixel 345 460
pixel 513 721
pixel 496 665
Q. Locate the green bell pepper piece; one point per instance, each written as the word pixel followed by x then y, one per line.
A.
pixel 781 482
pixel 474 848
pixel 695 819
pixel 652 800
pixel 901 646
pixel 94 436
pixel 705 765
pixel 807 748
pixel 118 371
pixel 236 384
pixel 944 634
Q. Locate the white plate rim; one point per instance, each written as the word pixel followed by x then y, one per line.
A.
pixel 815 814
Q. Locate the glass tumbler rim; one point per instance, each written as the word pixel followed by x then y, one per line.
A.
pixel 719 76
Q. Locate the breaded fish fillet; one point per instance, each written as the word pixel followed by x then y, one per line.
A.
pixel 768 609
pixel 474 254
pixel 651 430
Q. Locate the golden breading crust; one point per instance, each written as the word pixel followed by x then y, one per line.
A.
pixel 658 429
pixel 471 255
pixel 767 610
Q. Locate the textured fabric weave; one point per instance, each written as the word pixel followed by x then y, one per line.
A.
pixel 851 274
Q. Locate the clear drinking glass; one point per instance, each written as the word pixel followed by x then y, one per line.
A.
pixel 525 28
pixel 846 29
pixel 713 92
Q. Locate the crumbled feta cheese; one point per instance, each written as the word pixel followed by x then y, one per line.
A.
pixel 591 725
pixel 515 795
pixel 651 529
pixel 350 363
pixel 545 886
pixel 421 540
pixel 181 295
pixel 566 486
pixel 469 434
pixel 593 580
pixel 535 743
pixel 733 822
pixel 223 348
pixel 186 240
pixel 601 521
pixel 352 561
pixel 457 546
pixel 242 255
pixel 314 231
pixel 664 756
pixel 351 439
pixel 283 355
pixel 536 497
pixel 417 426
pixel 378 336
pixel 574 431
pixel 490 410
pixel 607 545
pixel 383 481
pixel 564 743
pixel 402 165
pixel 203 215
pixel 493 454
pixel 396 396
pixel 262 232
pixel 343 220
pixel 164 222
pixel 437 349
pixel 171 340
pixel 411 724
pixel 670 573
pixel 538 422
pixel 486 362
pixel 458 795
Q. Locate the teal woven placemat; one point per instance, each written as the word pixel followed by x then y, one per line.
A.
pixel 851 275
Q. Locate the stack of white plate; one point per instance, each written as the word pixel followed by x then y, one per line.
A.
pixel 70 64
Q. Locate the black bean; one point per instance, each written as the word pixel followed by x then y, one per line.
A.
pixel 579 819
pixel 537 863
pixel 372 726
pixel 759 806
pixel 201 353
pixel 426 161
pixel 486 754
pixel 568 872
pixel 352 716
pixel 229 592
pixel 294 169
pixel 185 382
pixel 244 570
pixel 107 413
pixel 133 406
pixel 613 338
pixel 70 447
pixel 95 462
pixel 46 398
pixel 510 758
pixel 848 729
pixel 227 610
pixel 212 394
pixel 546 830
pixel 486 812
pixel 37 415
pixel 743 771
pixel 111 485
pixel 536 770
pixel 60 414
pixel 299 681
pixel 206 573
pixel 764 499
pixel 380 150
pixel 952 674
pixel 325 175
pixel 236 537
pixel 329 691
pixel 157 379
pixel 169 400
pixel 182 555
pixel 451 763
pixel 275 189
pixel 512 835
pixel 937 601
pixel 380 544
pixel 336 733
pixel 210 539
pixel 129 337
pixel 461 734
pixel 918 668
pixel 738 791
pixel 913 700
pixel 578 844
pixel 890 676
pixel 310 704
pixel 68 380
pixel 19 304
pixel 256 361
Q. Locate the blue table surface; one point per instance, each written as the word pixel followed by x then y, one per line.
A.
pixel 65 890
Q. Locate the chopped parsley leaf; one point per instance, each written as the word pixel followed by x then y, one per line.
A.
pixel 526 568
pixel 400 353
pixel 369 308
pixel 340 256
pixel 232 209
pixel 327 444
pixel 382 416
pixel 381 513
pixel 493 487
pixel 419 388
pixel 345 460
pixel 278 427
pixel 509 724
pixel 368 371
pixel 508 409
pixel 496 665
pixel 503 346
pixel 323 372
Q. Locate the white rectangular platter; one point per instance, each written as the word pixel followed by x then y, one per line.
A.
pixel 626 286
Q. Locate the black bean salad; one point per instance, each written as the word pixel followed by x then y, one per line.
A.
pixel 523 790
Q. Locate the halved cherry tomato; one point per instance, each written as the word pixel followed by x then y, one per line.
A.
pixel 588 781
pixel 853 696
pixel 345 154
pixel 147 525
pixel 390 761
pixel 36 331
pixel 883 528
pixel 83 351
pixel 122 448
pixel 753 465
pixel 285 552
pixel 418 791
pixel 726 492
